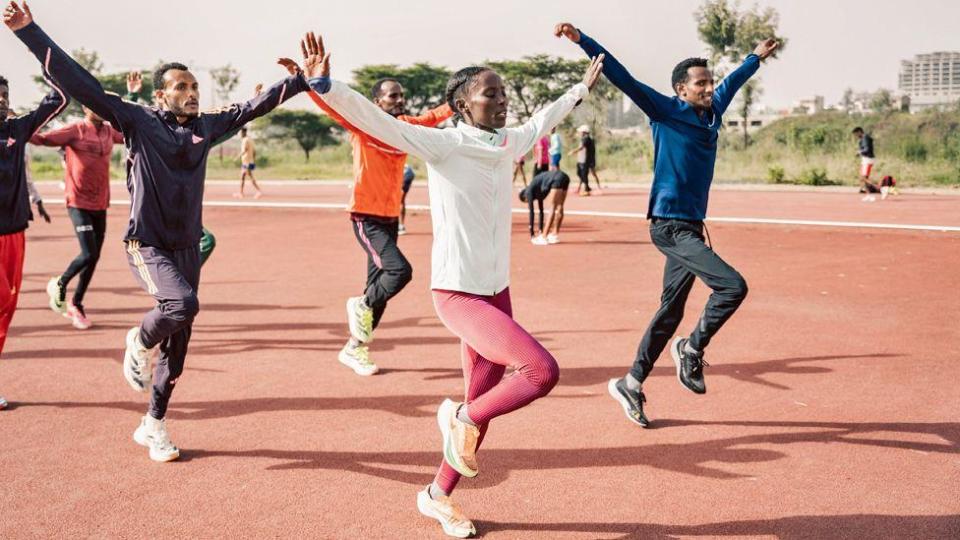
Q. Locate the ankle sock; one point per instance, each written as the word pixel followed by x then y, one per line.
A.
pixel 435 492
pixel 463 416
pixel 632 383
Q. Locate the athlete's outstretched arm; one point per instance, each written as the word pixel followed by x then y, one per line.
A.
pixel 63 70
pixel 651 102
pixel 426 143
pixel 526 135
pixel 237 115
pixel 731 83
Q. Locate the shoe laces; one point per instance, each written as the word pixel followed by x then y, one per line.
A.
pixel 361 354
pixel 161 438
pixel 695 362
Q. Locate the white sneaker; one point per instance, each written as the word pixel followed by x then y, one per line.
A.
pixel 136 362
pixel 358 359
pixel 401 230
pixel 459 439
pixel 360 318
pixel 538 240
pixel 152 433
pixel 869 198
pixel 447 512
pixel 78 317
pixel 57 305
pixel 3 403
pixel 553 239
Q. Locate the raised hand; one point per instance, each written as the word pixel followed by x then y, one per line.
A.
pixel 766 47
pixel 567 30
pixel 134 82
pixel 258 89
pixel 292 67
pixel 16 17
pixel 592 75
pixel 316 61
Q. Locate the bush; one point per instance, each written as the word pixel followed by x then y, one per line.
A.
pixel 915 151
pixel 776 174
pixel 815 176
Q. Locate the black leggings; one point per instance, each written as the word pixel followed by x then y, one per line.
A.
pixel 91 227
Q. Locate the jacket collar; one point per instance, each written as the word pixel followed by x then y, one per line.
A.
pixel 496 138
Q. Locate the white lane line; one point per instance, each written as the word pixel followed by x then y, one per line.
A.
pixel 589 213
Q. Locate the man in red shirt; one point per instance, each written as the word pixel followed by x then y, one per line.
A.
pixel 89 146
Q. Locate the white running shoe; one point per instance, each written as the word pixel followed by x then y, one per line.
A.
pixel 869 198
pixel 538 240
pixel 136 362
pixel 53 291
pixel 152 433
pixel 358 359
pixel 459 439
pixel 553 238
pixel 3 403
pixel 79 318
pixel 360 318
pixel 447 512
pixel 401 230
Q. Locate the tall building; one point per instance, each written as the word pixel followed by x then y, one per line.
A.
pixel 931 80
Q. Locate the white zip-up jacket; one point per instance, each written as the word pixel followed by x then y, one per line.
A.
pixel 470 179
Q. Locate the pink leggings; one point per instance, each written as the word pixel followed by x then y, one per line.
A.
pixel 490 341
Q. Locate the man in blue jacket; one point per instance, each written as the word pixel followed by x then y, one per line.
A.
pixel 166 166
pixel 685 132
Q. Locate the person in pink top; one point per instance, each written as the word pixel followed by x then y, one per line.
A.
pixel 89 146
pixel 541 155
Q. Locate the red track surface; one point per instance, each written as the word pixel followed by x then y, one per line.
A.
pixel 831 411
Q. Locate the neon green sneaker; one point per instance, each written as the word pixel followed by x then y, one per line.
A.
pixel 57 296
pixel 358 359
pixel 360 317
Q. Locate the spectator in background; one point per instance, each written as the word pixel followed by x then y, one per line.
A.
pixel 541 155
pixel 556 149
pixel 586 161
pixel 867 159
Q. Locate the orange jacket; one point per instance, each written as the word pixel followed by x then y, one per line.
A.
pixel 378 167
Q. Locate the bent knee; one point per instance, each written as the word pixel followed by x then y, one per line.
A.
pixel 738 288
pixel 182 309
pixel 545 373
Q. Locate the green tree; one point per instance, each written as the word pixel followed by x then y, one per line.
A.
pixel 424 84
pixel 307 128
pixel 730 35
pixel 881 101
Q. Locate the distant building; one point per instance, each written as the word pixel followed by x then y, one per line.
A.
pixel 931 80
pixel 624 113
pixel 812 105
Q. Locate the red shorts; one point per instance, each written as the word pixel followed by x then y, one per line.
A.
pixel 11 276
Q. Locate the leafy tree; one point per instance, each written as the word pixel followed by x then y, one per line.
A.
pixel 309 129
pixel 424 84
pixel 882 101
pixel 730 35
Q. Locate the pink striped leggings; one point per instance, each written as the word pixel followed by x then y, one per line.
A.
pixel 490 341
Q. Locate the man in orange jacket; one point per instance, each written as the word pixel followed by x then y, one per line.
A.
pixel 374 212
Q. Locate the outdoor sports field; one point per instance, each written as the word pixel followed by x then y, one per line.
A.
pixel 831 407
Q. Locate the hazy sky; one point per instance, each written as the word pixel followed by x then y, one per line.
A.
pixel 833 44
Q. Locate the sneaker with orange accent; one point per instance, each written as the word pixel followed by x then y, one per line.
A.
pixel 459 439
pixel 447 512
pixel 79 318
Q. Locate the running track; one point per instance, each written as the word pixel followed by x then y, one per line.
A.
pixel 831 411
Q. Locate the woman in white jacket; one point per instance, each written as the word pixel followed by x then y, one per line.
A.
pixel 469 171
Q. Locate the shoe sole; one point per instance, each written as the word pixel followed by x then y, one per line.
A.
pixel 615 394
pixel 449 531
pixel 449 455
pixel 351 322
pixel 128 368
pixel 347 361
pixel 675 353
pixel 3 404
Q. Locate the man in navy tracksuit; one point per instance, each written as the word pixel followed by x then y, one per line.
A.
pixel 685 131
pixel 168 148
pixel 14 200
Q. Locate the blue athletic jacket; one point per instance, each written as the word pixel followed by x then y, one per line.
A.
pixel 684 143
pixel 167 161
pixel 14 134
